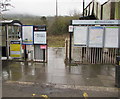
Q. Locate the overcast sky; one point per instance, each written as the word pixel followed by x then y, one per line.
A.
pixel 47 7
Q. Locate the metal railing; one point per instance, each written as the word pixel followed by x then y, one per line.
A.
pixel 85 55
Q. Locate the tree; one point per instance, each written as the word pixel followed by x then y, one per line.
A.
pixel 74 12
pixel 44 20
pixel 4 4
pixel 60 25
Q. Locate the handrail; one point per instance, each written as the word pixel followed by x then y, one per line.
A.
pixel 88 5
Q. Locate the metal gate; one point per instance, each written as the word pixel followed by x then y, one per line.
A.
pixel 85 55
pixel 95 55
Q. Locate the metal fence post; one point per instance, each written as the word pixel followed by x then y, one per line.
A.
pixel 70 49
pixel 117 72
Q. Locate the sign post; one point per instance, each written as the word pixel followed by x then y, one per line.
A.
pixel 40 42
pixel 70 49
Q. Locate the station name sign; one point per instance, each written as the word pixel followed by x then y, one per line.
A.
pixel 95 22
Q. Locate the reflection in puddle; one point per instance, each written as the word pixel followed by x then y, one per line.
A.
pixel 5 74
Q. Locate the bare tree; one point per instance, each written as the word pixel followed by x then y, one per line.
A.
pixel 74 12
pixel 4 4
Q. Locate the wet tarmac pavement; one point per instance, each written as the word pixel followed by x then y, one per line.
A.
pixel 55 79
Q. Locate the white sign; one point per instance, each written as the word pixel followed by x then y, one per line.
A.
pixel 80 35
pixel 27 36
pixel 96 37
pixel 111 37
pixel 39 37
pixel 70 28
pixel 95 22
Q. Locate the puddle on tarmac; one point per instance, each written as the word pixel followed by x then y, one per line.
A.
pixel 55 71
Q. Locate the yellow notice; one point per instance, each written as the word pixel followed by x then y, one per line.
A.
pixel 14 47
pixel 15 50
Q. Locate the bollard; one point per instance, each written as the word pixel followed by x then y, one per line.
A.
pixel 117 72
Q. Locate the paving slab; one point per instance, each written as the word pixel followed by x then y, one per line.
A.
pixel 74 80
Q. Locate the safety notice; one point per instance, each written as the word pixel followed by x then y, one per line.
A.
pixel 15 49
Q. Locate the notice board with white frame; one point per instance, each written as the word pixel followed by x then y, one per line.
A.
pixel 112 37
pixel 80 35
pixel 27 34
pixel 96 36
pixel 40 37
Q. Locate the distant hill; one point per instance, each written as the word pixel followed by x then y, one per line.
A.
pixel 19 16
pixel 27 19
pixel 55 25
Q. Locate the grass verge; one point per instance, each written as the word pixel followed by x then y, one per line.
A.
pixel 56 40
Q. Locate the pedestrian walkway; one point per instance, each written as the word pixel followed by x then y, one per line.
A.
pixel 56 72
pixel 55 78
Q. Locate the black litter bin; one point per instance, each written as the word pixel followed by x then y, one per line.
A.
pixel 117 72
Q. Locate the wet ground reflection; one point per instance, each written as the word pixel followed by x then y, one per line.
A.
pixel 55 71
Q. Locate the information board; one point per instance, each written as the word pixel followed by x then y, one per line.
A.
pixel 112 37
pixel 70 28
pixel 27 31
pixel 15 49
pixel 80 35
pixel 40 37
pixel 96 36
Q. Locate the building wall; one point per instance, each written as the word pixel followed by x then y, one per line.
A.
pixel 106 11
pixel 111 10
pixel 117 10
pixel 99 11
pixel 95 8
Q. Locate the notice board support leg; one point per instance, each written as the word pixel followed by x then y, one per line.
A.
pixel 70 48
pixel 25 53
pixel 43 55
